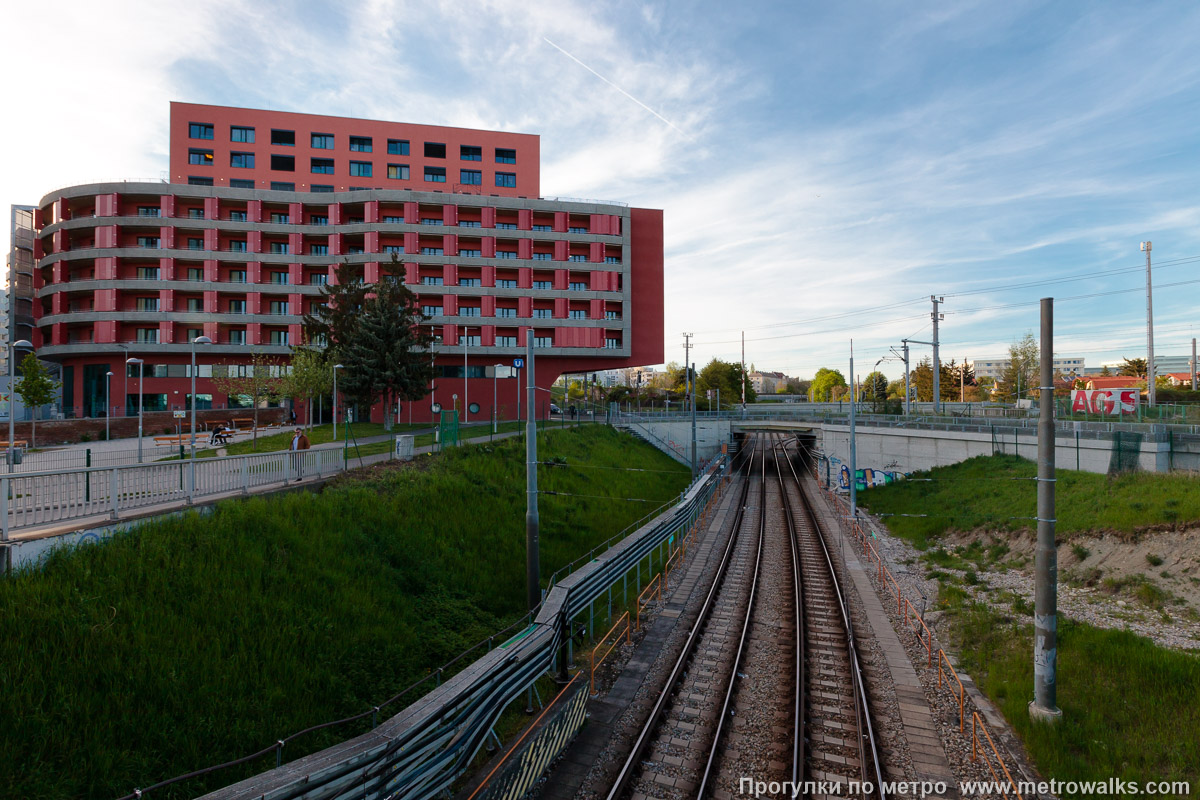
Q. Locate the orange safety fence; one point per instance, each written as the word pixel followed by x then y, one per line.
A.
pixel 654 587
pixel 974 748
pixel 677 557
pixel 624 618
pixel 903 608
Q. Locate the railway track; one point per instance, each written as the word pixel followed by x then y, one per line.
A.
pixel 768 685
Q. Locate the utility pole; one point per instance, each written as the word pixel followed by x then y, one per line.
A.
pixel 1193 365
pixel 853 446
pixel 962 382
pixel 533 589
pixel 937 364
pixel 695 465
pixel 687 361
pixel 744 371
pixel 907 392
pixel 1149 330
pixel 1045 613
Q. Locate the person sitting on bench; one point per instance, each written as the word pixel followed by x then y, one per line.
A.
pixel 220 435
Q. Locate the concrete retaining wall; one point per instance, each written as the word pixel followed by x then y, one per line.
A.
pixel 675 437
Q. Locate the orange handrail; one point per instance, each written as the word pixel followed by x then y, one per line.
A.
pixel 942 659
pixel 975 740
pixel 655 584
pixel 592 679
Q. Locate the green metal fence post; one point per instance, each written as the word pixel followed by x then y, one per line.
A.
pixel 87 478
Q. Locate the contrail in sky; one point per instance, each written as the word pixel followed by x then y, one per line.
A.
pixel 672 125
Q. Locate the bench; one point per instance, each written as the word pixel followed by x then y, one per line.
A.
pixel 17 443
pixel 170 441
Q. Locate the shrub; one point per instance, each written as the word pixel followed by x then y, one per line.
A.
pixel 1081 552
pixel 1153 560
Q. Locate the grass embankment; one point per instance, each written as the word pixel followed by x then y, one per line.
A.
pixel 1131 709
pixel 196 640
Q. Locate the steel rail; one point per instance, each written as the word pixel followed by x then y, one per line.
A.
pixel 867 739
pixel 632 762
pixel 798 713
pixel 741 648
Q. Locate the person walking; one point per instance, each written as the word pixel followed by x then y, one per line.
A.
pixel 299 444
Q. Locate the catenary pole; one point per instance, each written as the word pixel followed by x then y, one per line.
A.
pixel 1193 365
pixel 533 591
pixel 853 443
pixel 695 465
pixel 937 363
pixel 1045 612
pixel 1150 377
pixel 907 391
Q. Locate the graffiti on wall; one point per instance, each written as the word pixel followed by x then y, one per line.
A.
pixel 865 478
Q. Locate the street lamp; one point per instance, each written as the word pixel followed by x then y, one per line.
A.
pixel 107 405
pixel 141 375
pixel 24 344
pixel 336 367
pixel 196 341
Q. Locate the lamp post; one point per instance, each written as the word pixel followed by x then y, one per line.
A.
pixel 24 344
pixel 196 341
pixel 336 367
pixel 141 375
pixel 107 405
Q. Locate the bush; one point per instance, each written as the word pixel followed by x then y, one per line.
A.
pixel 1154 561
pixel 85 438
pixel 1081 552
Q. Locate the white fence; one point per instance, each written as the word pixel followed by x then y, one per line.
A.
pixel 41 498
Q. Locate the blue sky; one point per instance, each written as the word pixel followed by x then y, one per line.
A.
pixel 824 167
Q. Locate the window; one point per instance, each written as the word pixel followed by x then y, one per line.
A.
pixel 147 241
pixel 578 286
pixel 506 341
pixel 240 183
pixel 195 273
pixel 431 251
pixel 471 177
pixel 393 220
pixel 237 276
pixel 398 172
pixel 577 229
pixel 150 335
pixel 317 219
pixel 431 280
pixel 578 314
pixel 354 251
pixel 280 218
pixel 322 166
pixel 470 153
pixel 577 258
pixel 543 285
pixel 198 180
pixel 318 249
pixel 237 335
pixel 468 311
pixel 282 186
pixel 146 304
pixel 543 228
pixel 612 314
pixel 237 306
pixel 506 312
pixel 435 174
pixel 278 307
pixel 148 211
pixel 278 247
pixel 200 130
pixel 286 138
pixel 506 283
pixel 322 141
pixel 194 304
pixel 435 150
pixel 397 147
pixel 507 180
pixel 467 252
pixel 283 163
pixel 318 279
pixel 195 213
pixel 472 341
pixel 542 313
pixel 278 278
pixel 147 273
pixel 506 155
pixel 202 157
pixel 470 282
pixel 320 187
pixel 431 311
pixel 241 160
pixel 506 254
pixel 360 144
pixel 360 169
pixel 506 226
pixel 279 337
pixel 612 344
pixel 393 248
pixel 612 260
pixel 543 341
pixel 237 216
pixel 194 243
pixel 359 188
pixel 431 221
pixel 543 256
pixel 470 223
pixel 240 134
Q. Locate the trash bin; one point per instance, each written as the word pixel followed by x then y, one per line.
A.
pixel 18 456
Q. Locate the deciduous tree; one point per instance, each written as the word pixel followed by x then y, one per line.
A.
pixel 36 388
pixel 824 383
pixel 259 381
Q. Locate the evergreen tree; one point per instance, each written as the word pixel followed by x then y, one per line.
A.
pixel 875 389
pixel 1133 367
pixel 36 388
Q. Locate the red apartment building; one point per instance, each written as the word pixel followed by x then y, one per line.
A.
pixel 262 205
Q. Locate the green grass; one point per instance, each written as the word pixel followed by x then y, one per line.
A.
pixel 1131 709
pixel 199 639
pixel 996 493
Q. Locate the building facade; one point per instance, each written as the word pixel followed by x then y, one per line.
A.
pixel 264 205
pixel 994 368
